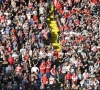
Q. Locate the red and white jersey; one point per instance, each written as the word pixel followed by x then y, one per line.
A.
pixel 53 71
pixel 74 78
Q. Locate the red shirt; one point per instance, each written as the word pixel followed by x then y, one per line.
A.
pixel 80 37
pixel 59 70
pixel 68 76
pixel 58 6
pixel 12 31
pixel 76 22
pixel 42 68
pixel 47 69
pixel 73 11
pixel 35 18
pixel 66 27
pixel 63 41
pixel 61 12
pixel 10 60
pixel 0 17
pixel 67 15
pixel 26 57
pixel 9 49
pixel 48 62
pixel 60 28
pixel 55 54
pixel 44 79
pixel 53 72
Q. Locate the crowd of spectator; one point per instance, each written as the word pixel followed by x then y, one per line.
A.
pixel 79 34
pixel 27 59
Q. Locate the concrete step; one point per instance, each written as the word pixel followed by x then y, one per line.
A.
pixel 58 50
pixel 54 34
pixel 53 26
pixel 52 16
pixel 56 44
pixel 53 22
pixel 48 19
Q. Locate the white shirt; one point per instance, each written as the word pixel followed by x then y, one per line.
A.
pixel 40 53
pixel 72 60
pixel 64 69
pixel 41 9
pixel 34 69
pixel 51 80
pixel 29 16
pixel 41 18
pixel 35 12
pixel 68 68
pixel 50 55
pixel 8 22
pixel 85 75
pixel 30 52
pixel 22 50
pixel 13 3
pixel 14 55
pixel 82 82
pixel 63 20
pixel 25 25
pixel 80 76
pixel 60 53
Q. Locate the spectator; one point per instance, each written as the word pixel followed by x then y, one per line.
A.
pixel 34 69
pixel 51 82
pixel 27 55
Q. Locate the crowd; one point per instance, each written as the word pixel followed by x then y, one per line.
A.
pixel 79 34
pixel 27 59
